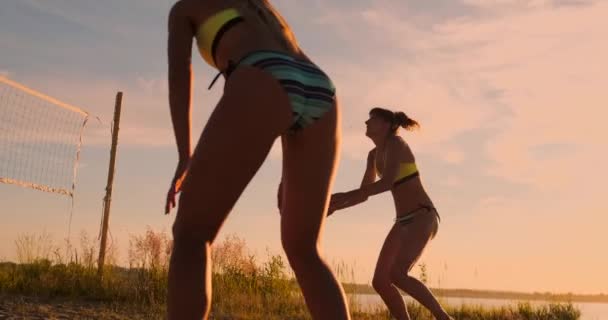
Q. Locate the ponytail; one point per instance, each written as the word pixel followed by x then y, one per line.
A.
pixel 407 123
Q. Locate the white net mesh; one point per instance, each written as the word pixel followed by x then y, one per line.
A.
pixel 40 139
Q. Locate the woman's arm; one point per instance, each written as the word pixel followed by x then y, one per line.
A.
pixel 179 49
pixel 389 173
pixel 339 200
pixel 180 77
pixel 370 171
pixel 391 169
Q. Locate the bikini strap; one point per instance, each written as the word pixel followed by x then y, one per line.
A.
pixel 229 69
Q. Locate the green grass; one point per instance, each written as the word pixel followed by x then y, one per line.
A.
pixel 243 287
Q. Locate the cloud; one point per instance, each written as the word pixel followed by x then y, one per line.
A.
pixel 102 17
pixel 525 5
pixel 532 76
pixel 69 13
pixel 103 38
pixel 512 73
pixel 452 181
pixel 408 68
pixel 553 88
pixel 454 156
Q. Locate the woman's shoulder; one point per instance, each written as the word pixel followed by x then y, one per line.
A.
pixel 401 147
pixel 197 8
pixel 183 8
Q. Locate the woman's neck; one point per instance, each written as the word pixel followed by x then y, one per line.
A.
pixel 381 141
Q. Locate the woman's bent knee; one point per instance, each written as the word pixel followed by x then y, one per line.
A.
pixel 300 250
pixel 187 234
pixel 381 282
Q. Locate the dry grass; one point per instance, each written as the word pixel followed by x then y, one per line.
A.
pixel 60 282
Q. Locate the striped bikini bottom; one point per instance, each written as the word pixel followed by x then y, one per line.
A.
pixel 410 216
pixel 311 93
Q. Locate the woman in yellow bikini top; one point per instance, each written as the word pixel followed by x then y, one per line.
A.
pixel 406 171
pixel 209 33
pixel 417 220
pixel 272 90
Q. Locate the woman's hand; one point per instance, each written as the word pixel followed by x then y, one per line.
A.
pixel 176 184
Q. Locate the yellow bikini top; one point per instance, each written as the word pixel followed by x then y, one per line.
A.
pixel 210 32
pixel 406 171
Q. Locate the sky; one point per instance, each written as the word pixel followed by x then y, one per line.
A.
pixel 510 95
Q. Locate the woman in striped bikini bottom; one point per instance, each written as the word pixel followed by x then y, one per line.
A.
pixel 311 93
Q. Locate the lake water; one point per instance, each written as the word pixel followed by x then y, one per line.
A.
pixel 589 311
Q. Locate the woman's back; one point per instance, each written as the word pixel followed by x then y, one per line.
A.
pixel 265 17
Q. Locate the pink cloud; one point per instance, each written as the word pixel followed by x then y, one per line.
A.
pixel 555 90
pixel 546 70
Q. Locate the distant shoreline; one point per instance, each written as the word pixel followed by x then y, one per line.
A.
pixel 491 294
pixel 463 293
